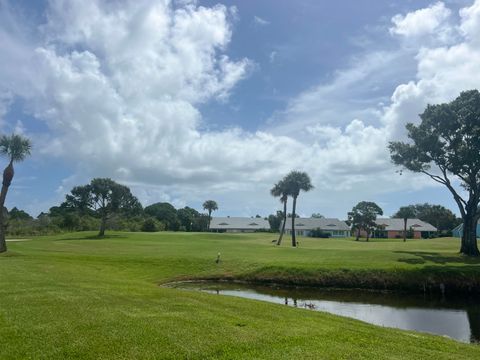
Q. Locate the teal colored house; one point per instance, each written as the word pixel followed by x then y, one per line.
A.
pixel 458 231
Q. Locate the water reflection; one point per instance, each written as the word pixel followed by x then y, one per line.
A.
pixel 458 318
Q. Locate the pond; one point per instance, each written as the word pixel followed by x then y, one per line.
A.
pixel 457 318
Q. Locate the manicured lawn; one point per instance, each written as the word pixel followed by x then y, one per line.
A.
pixel 71 296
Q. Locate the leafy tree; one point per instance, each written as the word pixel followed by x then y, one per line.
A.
pixel 363 216
pixel 165 213
pixel 16 214
pixel 280 190
pixel 447 143
pixel 201 223
pixel 437 215
pixel 187 217
pixel 405 213
pixel 317 216
pixel 210 206
pixel 105 197
pixel 275 221
pixel 355 222
pixel 16 148
pixel 295 182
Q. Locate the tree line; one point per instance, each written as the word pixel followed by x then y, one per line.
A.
pixel 444 146
pixel 105 204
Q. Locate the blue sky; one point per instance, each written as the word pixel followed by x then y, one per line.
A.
pixel 186 101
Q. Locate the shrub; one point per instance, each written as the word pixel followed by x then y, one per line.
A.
pixel 318 233
pixel 152 225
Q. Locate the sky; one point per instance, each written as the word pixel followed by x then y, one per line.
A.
pixel 185 101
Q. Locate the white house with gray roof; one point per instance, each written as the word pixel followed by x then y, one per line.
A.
pixel 304 226
pixel 238 224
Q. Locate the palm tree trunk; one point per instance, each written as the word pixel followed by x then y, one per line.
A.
pixel 7 180
pixel 294 239
pixel 3 243
pixel 209 218
pixel 282 231
pixel 404 230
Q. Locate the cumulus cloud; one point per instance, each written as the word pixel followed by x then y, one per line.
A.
pixel 120 84
pixel 421 22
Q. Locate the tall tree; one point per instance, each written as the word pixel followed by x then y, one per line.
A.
pixel 187 217
pixel 210 205
pixel 17 214
pixel 437 215
pixel 363 216
pixel 165 213
pixel 447 143
pixel 405 213
pixel 295 182
pixel 16 148
pixel 105 197
pixel 275 221
pixel 355 221
pixel 279 190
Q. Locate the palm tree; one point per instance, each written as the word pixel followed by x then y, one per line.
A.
pixel 279 190
pixel 295 182
pixel 405 213
pixel 16 148
pixel 210 205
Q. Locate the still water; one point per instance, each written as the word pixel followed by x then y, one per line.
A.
pixel 458 318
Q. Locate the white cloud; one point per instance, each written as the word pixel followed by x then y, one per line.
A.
pixel 119 85
pixel 260 21
pixel 470 24
pixel 421 22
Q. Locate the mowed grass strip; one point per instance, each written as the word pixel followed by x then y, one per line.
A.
pixel 74 296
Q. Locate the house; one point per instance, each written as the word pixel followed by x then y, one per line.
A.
pixel 458 231
pixel 393 228
pixel 304 226
pixel 238 224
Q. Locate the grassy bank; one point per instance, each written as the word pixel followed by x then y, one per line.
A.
pixel 71 296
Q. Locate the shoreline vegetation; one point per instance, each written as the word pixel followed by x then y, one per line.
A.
pixel 427 282
pixel 93 297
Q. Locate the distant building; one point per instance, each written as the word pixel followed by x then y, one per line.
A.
pixel 458 231
pixel 304 226
pixel 238 224
pixel 393 228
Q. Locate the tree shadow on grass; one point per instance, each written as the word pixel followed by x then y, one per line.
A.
pixel 436 258
pixel 93 237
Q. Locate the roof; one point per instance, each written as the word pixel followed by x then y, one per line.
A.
pixel 317 223
pixel 398 224
pixel 241 223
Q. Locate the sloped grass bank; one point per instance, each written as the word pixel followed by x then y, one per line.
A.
pixel 75 296
pixel 426 281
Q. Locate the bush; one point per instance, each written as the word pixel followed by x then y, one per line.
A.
pixel 152 225
pixel 318 233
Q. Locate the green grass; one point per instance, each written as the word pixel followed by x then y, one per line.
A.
pixel 74 296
